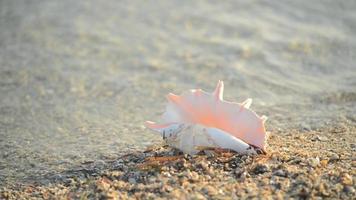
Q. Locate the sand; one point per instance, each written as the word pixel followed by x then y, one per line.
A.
pixel 79 78
pixel 316 164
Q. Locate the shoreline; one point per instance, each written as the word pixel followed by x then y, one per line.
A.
pixel 312 164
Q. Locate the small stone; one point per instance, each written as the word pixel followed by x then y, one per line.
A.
pixel 338 187
pixel 260 169
pixel 197 196
pixel 132 181
pixel 181 164
pixel 99 164
pixel 304 192
pixel 194 176
pixel 210 171
pixel 204 165
pixel 334 157
pixel 210 190
pixel 280 173
pixel 103 184
pixel 295 161
pixel 346 179
pixel 321 138
pixel 324 163
pixel 152 179
pixel 238 172
pixel 349 190
pixel 243 175
pixel 116 173
pixel 167 188
pixel 314 162
pixel 323 189
pixel 210 154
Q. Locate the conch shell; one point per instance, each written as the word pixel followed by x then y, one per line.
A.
pixel 197 118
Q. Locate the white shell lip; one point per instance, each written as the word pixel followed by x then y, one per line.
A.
pixel 200 110
pixel 187 137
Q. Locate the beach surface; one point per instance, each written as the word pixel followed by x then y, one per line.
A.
pixel 317 164
pixel 79 78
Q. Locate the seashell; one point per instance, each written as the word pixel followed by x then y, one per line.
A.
pixel 187 137
pixel 197 118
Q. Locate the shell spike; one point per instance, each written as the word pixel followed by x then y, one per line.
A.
pixel 173 98
pixel 157 127
pixel 199 118
pixel 264 118
pixel 151 125
pixel 247 103
pixel 219 91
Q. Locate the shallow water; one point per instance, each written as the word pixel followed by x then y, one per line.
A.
pixel 78 78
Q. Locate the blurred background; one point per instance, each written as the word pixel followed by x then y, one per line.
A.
pixel 79 78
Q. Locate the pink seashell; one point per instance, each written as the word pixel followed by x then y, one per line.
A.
pixel 197 107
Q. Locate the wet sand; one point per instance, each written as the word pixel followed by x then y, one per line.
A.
pixel 78 79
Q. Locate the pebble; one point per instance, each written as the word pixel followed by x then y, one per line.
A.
pixel 238 172
pixel 324 163
pixel 260 169
pixel 280 173
pixel 100 164
pixel 210 171
pixel 349 189
pixel 152 180
pixel 323 189
pixel 132 180
pixel 314 162
pixel 346 179
pixel 333 157
pixel 321 138
pixel 210 154
pixel 210 190
pixel 245 175
pixel 204 165
pixel 194 176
